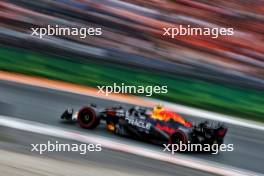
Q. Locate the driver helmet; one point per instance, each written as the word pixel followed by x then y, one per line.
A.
pixel 156 111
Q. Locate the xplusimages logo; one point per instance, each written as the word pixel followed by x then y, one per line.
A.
pixel 129 89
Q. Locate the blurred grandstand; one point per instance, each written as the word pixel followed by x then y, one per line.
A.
pixel 132 34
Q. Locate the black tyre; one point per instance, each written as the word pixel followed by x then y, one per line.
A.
pixel 88 118
pixel 178 137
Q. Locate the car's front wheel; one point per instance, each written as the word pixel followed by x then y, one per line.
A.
pixel 88 118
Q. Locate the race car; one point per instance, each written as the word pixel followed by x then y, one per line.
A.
pixel 157 125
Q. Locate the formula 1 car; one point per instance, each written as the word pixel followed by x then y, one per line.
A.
pixel 156 125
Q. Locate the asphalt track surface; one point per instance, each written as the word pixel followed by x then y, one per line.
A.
pixel 45 106
pixel 105 162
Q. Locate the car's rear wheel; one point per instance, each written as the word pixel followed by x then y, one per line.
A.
pixel 87 118
pixel 178 138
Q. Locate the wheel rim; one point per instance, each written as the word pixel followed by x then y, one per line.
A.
pixel 87 118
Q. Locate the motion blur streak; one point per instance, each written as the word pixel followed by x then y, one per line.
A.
pixel 200 71
pixel 56 164
pixel 132 33
pixel 35 127
pixel 45 106
pixel 61 86
pixel 224 75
